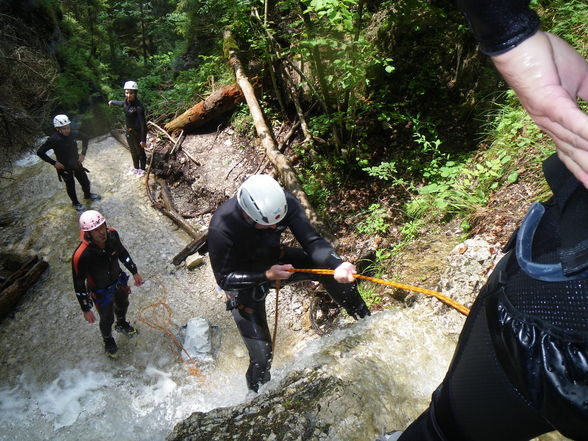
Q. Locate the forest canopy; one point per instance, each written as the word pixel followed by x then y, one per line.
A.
pixel 392 93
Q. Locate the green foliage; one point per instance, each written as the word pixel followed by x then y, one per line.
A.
pixel 373 221
pixel 242 121
pixel 421 161
pixel 376 268
pixel 315 185
pixel 167 94
pixel 460 189
pixel 569 20
pixel 385 171
pixel 371 296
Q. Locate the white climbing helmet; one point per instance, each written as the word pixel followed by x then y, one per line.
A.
pixel 61 120
pixel 130 85
pixel 263 199
pixel 90 220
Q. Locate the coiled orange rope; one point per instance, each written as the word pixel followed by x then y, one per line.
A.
pixel 158 316
pixel 450 302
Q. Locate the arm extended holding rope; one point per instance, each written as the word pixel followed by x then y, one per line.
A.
pixel 450 302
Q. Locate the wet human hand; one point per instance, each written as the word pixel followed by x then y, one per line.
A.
pixel 59 166
pixel 548 76
pixel 138 279
pixel 89 316
pixel 279 272
pixel 344 273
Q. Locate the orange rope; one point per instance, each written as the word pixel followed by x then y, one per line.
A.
pixel 158 316
pixel 276 316
pixel 450 302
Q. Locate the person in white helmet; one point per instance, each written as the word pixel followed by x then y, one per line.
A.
pixel 68 162
pixel 136 127
pixel 247 258
pixel 98 279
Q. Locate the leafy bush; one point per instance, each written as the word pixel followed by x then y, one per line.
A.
pixel 374 221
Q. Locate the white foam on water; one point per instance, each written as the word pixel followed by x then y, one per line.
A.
pixel 71 394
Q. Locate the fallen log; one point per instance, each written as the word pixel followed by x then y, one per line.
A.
pixel 170 212
pixel 218 103
pixel 167 208
pixel 17 285
pixel 24 266
pixel 197 245
pixel 166 195
pixel 266 136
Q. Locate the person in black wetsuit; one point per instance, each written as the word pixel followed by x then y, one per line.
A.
pixel 136 127
pixel 68 162
pixel 247 258
pixel 520 368
pixel 98 279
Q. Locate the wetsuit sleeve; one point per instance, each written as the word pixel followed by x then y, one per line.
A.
pixel 226 271
pixel 321 251
pixel 117 103
pixel 84 138
pixel 142 122
pixel 42 151
pixel 500 25
pixel 123 255
pixel 79 272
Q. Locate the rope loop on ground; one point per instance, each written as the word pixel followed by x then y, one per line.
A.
pixel 158 316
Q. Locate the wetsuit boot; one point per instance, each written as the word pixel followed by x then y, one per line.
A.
pixel 110 347
pixel 125 327
pixel 92 196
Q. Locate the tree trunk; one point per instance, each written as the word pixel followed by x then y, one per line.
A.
pixel 278 160
pixel 219 102
pixel 19 282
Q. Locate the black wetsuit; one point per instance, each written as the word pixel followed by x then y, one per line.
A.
pixel 136 130
pixel 66 152
pixel 240 254
pixel 98 278
pixel 500 25
pixel 520 368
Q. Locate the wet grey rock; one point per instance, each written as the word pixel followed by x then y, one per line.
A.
pixel 304 408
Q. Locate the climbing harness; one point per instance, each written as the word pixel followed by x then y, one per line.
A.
pixel 103 296
pixel 158 316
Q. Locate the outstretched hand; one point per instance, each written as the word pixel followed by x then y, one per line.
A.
pixel 344 273
pixel 548 76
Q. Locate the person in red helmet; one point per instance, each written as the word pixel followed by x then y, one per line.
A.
pixel 98 279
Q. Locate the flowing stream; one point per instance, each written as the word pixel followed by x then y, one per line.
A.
pixel 56 382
